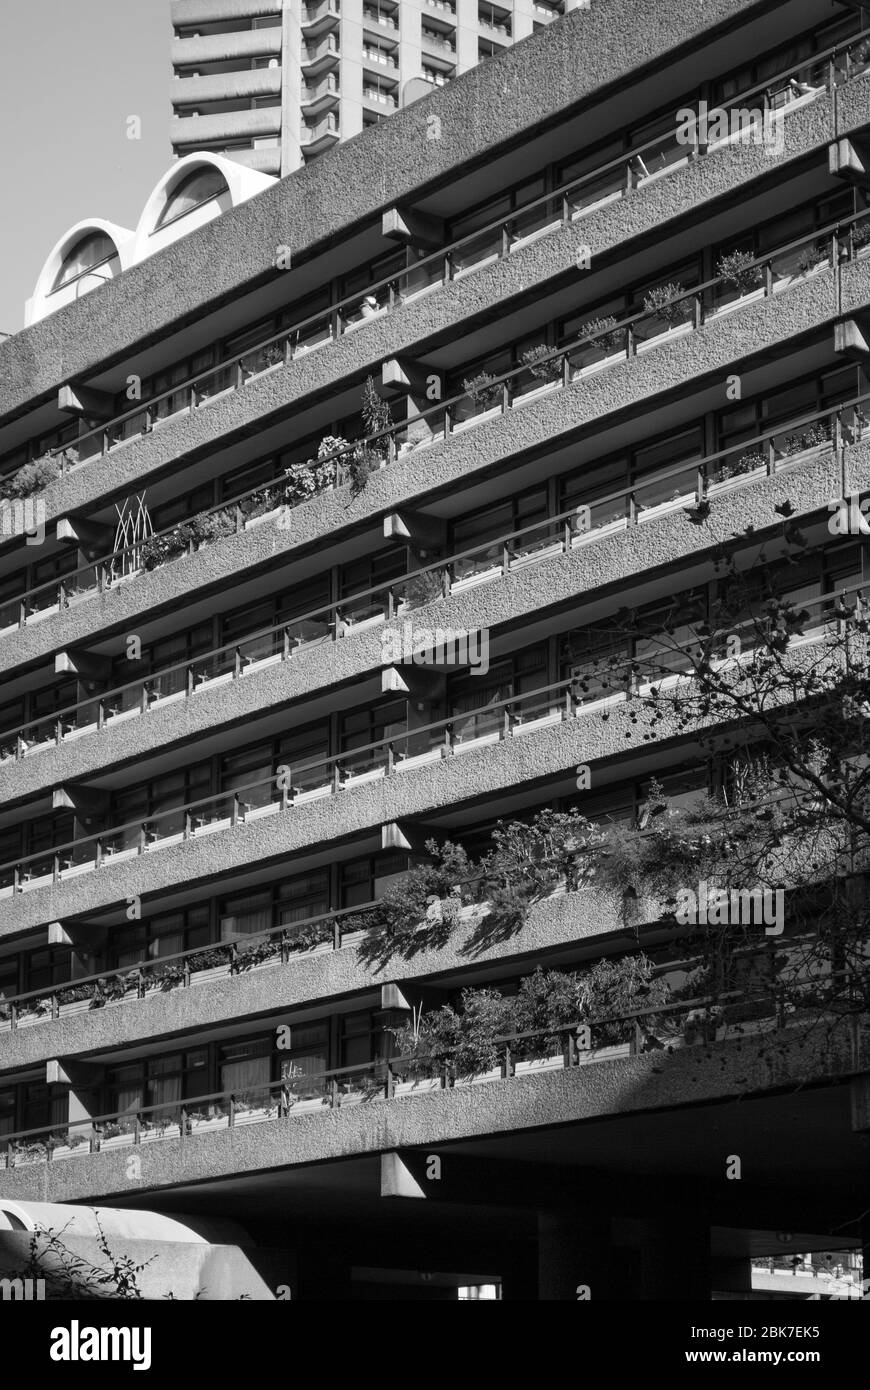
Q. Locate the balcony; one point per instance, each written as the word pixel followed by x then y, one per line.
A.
pixel 219 48
pixel 196 131
pixel 381 98
pixel 225 86
pixel 320 96
pixel 377 15
pixel 319 57
pixel 442 44
pixel 322 136
pixel 379 57
pixel 320 19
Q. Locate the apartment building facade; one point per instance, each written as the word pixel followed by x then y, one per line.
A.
pixel 275 83
pixel 217 750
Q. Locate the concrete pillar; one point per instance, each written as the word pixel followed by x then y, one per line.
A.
pixel 573 1254
pixel 675 1260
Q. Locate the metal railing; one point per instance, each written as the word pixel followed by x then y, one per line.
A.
pixel 564 204
pixel 568 363
pixel 483 563
pixel 510 717
pixel 699 1021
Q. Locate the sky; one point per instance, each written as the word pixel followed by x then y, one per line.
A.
pixel 71 73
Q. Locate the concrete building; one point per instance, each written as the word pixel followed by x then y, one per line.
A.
pixel 275 83
pixel 213 758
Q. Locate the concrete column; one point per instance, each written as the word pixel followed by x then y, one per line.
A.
pixel 573 1254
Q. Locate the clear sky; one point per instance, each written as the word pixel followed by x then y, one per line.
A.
pixel 71 72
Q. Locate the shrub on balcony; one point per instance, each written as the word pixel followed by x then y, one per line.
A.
pixel 377 419
pixel 483 389
pixel 809 439
pixel 33 478
pixel 810 257
pixel 211 526
pixel 542 364
pixel 156 550
pixel 528 862
pixel 304 936
pixel 738 270
pixel 165 979
pixel 423 588
pixel 74 994
pixel 256 954
pixel 420 910
pixel 602 334
pixel 659 303
pixel 209 959
pixel 745 463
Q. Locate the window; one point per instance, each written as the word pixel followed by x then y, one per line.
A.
pixel 93 250
pixel 198 187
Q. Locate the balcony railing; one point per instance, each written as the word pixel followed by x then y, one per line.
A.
pixel 582 1042
pixel 565 205
pixel 436 40
pixel 312 133
pixel 685 483
pixel 376 55
pixel 380 17
pixel 513 717
pixel 687 312
pixel 382 98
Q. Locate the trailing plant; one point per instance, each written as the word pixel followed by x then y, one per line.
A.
pixel 166 978
pixel 483 389
pixel 738 269
pixel 602 334
pixel 659 302
pixel 542 364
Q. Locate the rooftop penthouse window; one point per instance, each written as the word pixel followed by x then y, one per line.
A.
pixel 198 188
pixel 93 250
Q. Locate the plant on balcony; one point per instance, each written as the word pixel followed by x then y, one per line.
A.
pixel 211 526
pixel 810 439
pixel 156 550
pixel 421 909
pixel 602 334
pixel 811 256
pixel 528 861
pixel 483 389
pixel 74 994
pixel 210 958
pixel 425 587
pixel 165 979
pixel 33 478
pixel 738 270
pixel 860 233
pixel 377 419
pixel 745 463
pixel 659 303
pixel 542 364
pixel 304 936
pixel 256 954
